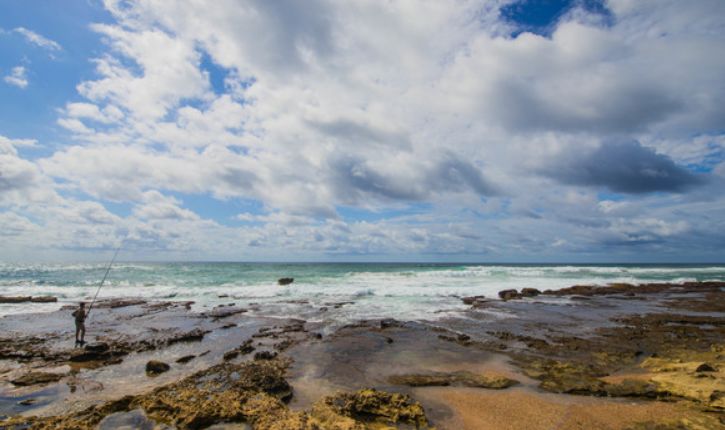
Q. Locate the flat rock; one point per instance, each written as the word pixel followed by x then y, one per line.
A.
pixel 461 378
pixel 186 359
pixel 15 299
pixel 36 378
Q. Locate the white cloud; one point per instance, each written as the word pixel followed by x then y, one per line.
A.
pixel 37 39
pixel 17 77
pixel 387 107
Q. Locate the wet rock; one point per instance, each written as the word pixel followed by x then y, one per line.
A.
pixel 530 292
pixel 155 367
pixel 99 347
pixel 635 388
pixel 338 305
pixel 565 377
pixel 84 356
pixel 14 299
pixel 461 378
pixel 285 281
pixel 135 419
pixel 246 347
pixel 230 355
pixel 705 367
pixel 265 355
pixel 623 288
pixel 118 303
pixel 224 312
pixel 227 326
pixel 36 378
pixel 390 323
pixel 44 299
pixel 472 299
pixel 195 335
pixel 186 359
pixel 509 294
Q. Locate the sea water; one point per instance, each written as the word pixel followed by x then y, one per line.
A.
pixel 367 290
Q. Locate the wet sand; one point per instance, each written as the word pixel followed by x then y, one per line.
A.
pixel 521 408
pixel 590 359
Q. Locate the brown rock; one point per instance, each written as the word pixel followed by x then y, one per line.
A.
pixel 36 378
pixel 155 367
pixel 509 294
pixel 44 299
pixel 285 281
pixel 186 359
pixel 463 378
pixel 265 355
pixel 473 299
pixel 705 367
pixel 15 299
pixel 530 292
pixel 231 355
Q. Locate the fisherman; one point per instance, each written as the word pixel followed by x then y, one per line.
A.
pixel 80 316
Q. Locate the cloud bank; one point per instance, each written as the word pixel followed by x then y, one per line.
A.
pixel 396 130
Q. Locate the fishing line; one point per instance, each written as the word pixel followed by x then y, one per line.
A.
pixel 108 269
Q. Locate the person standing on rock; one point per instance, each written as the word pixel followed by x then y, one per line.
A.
pixel 80 316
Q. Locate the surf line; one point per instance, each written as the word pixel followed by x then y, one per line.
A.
pixel 108 269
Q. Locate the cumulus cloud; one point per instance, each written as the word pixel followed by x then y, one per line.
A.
pixel 17 77
pixel 17 175
pixel 435 121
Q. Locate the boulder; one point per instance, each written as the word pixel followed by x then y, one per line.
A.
pixel 530 292
pixel 155 367
pixel 285 281
pixel 509 294
pixel 705 367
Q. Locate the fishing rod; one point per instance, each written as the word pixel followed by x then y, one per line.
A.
pixel 108 269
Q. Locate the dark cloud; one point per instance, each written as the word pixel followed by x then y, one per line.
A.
pixel 624 167
pixel 355 179
pixel 620 106
pixel 361 134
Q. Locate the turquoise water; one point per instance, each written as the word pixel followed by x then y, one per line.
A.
pixel 378 290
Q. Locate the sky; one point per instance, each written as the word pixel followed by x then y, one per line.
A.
pixel 320 130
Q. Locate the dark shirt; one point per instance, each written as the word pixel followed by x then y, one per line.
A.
pixel 80 315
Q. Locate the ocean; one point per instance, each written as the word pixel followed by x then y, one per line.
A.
pixel 351 291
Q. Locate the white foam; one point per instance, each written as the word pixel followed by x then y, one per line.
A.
pixel 415 293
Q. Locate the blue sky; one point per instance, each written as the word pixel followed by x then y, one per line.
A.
pixel 446 131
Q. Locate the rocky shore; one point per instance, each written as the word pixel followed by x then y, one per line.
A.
pixel 614 357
